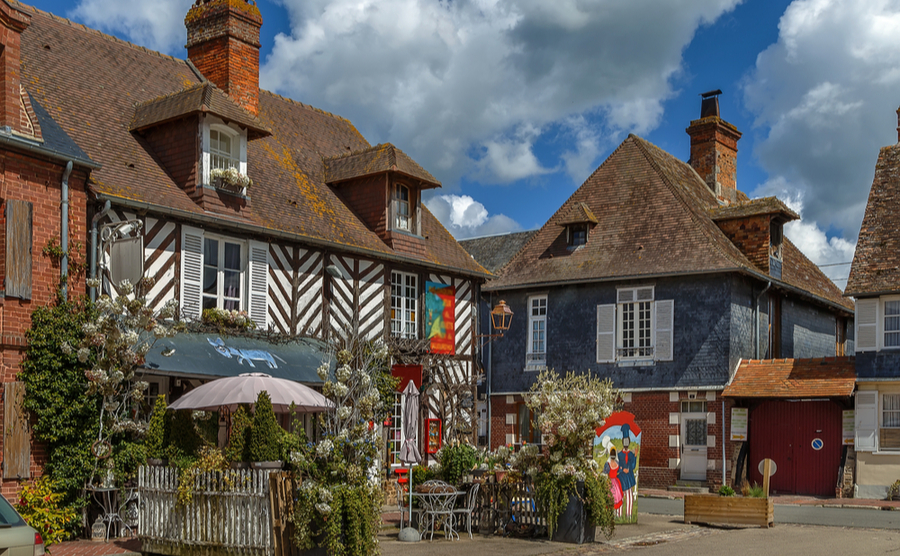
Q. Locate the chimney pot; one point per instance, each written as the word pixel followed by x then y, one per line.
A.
pixel 714 148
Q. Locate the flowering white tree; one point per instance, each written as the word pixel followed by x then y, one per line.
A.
pixel 115 345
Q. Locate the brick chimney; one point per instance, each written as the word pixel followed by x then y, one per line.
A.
pixel 714 148
pixel 12 23
pixel 223 42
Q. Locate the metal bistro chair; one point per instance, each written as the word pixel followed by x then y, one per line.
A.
pixel 471 498
pixel 438 499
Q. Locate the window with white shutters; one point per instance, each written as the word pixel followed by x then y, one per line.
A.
pixel 866 420
pixel 866 324
pixel 636 328
pixel 634 325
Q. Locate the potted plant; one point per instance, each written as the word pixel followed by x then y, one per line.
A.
pixel 158 433
pixel 231 180
pixel 237 452
pixel 265 435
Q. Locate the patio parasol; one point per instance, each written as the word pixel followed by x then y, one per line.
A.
pixel 245 388
pixel 409 452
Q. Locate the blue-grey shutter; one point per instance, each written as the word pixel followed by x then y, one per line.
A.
pixel 665 317
pixel 191 271
pixel 606 333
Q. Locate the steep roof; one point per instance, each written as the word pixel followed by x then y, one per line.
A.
pixel 374 160
pixel 754 207
pixel 793 378
pixel 92 83
pixel 492 252
pixel 654 217
pixel 876 263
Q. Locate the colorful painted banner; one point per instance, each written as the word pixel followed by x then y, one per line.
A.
pixel 617 450
pixel 440 319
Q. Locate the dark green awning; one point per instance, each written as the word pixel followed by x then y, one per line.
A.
pixel 213 356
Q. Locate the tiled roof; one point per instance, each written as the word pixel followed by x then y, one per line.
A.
pixel 375 160
pixel 492 252
pixel 754 207
pixel 92 82
pixel 876 263
pixel 793 378
pixel 201 97
pixel 579 214
pixel 653 218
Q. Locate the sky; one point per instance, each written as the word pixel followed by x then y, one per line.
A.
pixel 512 104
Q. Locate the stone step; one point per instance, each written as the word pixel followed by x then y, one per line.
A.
pixel 691 487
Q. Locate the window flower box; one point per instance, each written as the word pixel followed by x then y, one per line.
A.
pixel 230 180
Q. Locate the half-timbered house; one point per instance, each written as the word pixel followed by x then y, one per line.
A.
pixel 330 233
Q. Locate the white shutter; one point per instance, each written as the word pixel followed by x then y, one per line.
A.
pixel 191 271
pixel 866 420
pixel 665 318
pixel 259 283
pixel 606 333
pixel 866 324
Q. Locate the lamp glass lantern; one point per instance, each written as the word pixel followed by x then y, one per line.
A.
pixel 501 317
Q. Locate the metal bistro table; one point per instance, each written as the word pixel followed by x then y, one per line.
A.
pixel 108 500
pixel 438 500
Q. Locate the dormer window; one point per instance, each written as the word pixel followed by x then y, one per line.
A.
pixel 402 218
pixel 775 239
pixel 577 234
pixel 224 147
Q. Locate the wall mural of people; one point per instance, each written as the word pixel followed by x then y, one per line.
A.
pixel 617 447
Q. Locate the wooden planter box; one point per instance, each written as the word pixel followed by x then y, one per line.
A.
pixel 729 509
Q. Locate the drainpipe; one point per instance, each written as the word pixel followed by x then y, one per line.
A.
pixel 723 442
pixel 94 246
pixel 64 230
pixel 488 388
pixel 756 316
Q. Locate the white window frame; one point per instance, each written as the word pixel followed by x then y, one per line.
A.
pixel 395 431
pixel 404 307
pixel 635 296
pixel 895 409
pixel 220 278
pixel 882 321
pixel 238 145
pixel 402 222
pixel 533 356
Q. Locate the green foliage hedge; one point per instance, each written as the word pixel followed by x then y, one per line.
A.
pixel 265 434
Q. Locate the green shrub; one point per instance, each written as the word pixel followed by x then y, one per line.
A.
pixel 456 461
pixel 756 491
pixel 185 441
pixel 158 429
pixel 238 448
pixel 422 473
pixel 39 505
pixel 127 458
pixel 726 490
pixel 265 434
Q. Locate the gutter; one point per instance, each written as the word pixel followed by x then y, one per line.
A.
pixel 637 390
pixel 218 221
pixel 24 145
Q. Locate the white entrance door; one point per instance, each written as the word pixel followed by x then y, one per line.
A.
pixel 693 446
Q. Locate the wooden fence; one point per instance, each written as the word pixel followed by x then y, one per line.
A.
pixel 237 511
pixel 499 504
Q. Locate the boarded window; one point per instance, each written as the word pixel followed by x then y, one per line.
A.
pixel 18 249
pixel 16 433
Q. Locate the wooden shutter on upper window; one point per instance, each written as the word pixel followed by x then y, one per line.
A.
pixel 18 249
pixel 867 324
pixel 866 420
pixel 606 333
pixel 191 271
pixel 16 433
pixel 665 317
pixel 259 283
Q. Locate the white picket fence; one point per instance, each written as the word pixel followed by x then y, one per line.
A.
pixel 229 513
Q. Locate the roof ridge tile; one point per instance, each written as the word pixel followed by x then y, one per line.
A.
pixel 307 106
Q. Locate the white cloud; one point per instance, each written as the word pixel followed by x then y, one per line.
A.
pixel 158 25
pixel 465 217
pixel 826 94
pixel 455 82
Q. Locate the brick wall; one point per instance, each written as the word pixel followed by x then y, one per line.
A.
pixel 177 146
pixel 367 198
pixel 14 22
pixel 751 236
pixel 223 42
pixel 38 182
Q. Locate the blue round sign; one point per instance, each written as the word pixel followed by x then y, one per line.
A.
pixel 817 444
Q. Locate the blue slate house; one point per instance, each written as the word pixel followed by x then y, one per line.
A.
pixel 874 283
pixel 661 276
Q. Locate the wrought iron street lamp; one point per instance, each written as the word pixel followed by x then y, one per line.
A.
pixel 501 317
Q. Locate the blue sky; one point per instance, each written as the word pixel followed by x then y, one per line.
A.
pixel 513 103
